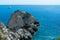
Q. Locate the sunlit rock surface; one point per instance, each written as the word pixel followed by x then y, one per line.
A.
pixel 20 26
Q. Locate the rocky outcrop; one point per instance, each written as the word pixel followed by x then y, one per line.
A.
pixel 20 26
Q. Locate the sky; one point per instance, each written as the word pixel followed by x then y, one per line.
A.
pixel 29 2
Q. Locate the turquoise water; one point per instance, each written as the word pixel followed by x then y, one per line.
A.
pixel 48 16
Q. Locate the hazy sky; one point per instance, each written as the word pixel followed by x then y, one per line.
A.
pixel 31 2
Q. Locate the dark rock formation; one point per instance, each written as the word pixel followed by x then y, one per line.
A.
pixel 21 26
pixel 23 20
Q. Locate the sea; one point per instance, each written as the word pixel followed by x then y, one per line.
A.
pixel 47 15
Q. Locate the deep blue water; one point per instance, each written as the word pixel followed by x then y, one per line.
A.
pixel 48 17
